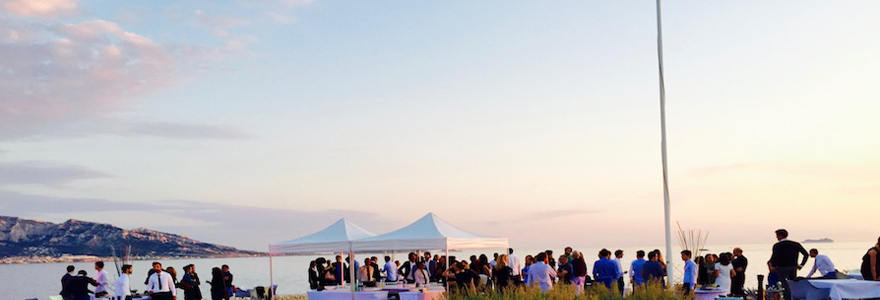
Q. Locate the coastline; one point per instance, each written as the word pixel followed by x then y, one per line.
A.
pixel 20 260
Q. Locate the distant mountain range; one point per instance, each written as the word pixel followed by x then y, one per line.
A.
pixel 21 237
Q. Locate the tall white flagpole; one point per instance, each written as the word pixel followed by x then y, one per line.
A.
pixel 670 280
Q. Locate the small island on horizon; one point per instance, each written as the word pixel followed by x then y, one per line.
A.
pixel 816 241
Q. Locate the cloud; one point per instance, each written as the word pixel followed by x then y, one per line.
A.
pixel 40 8
pixel 55 75
pixel 44 173
pixel 174 130
pixel 241 226
pixel 216 21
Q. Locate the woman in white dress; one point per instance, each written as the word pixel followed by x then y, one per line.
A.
pixel 723 272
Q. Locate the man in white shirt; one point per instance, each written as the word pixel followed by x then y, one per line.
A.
pixel 123 284
pixel 160 285
pixel 101 279
pixel 513 263
pixel 541 273
pixel 823 264
pixel 365 274
pixel 618 255
pixel 390 270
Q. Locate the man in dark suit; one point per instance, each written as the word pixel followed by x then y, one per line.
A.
pixel 374 262
pixel 784 260
pixel 65 294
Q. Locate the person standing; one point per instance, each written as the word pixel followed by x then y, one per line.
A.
pixel 871 263
pixel 190 283
pixel 724 272
pixel 101 279
pixel 823 264
pixel 541 273
pixel 652 270
pixel 65 294
pixel 621 284
pixel 690 272
pixel 366 273
pixel 421 275
pixel 390 270
pixel 515 265
pixel 565 270
pixel 218 286
pixel 78 286
pixel 407 267
pixel 160 285
pixel 738 282
pixel 501 273
pixel 579 267
pixel 784 260
pixel 123 284
pixel 605 270
pixel 374 262
pixel 635 269
pixel 227 281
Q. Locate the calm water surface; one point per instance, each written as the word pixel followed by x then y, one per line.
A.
pixel 39 281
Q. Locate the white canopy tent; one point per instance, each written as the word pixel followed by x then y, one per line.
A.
pixel 428 233
pixel 336 238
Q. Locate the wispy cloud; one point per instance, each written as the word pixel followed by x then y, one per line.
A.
pixel 41 8
pixel 44 173
pixel 174 130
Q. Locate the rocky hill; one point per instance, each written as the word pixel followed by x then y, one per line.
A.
pixel 21 237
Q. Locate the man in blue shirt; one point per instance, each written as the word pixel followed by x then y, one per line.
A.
pixel 690 272
pixel 652 270
pixel 635 269
pixel 605 270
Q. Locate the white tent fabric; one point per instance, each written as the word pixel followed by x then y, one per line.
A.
pixel 428 233
pixel 333 239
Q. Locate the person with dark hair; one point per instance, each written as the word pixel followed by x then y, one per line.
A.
pixel 822 264
pixel 171 271
pixel 702 271
pixel 690 272
pixel 711 260
pixel 314 280
pixel 724 272
pixel 190 283
pixel 390 270
pixel 161 285
pixel 567 252
pixel 338 270
pixel 550 261
pixel 784 260
pixel 870 268
pixel 541 273
pixel 101 279
pixel 462 274
pixel 565 271
pixel 377 275
pixel 366 274
pixel 407 267
pixel 227 280
pixel 218 285
pixel 481 267
pixel 740 264
pixel 78 286
pixel 660 260
pixel 652 271
pixel 421 276
pixel 123 284
pixel 635 269
pixel 65 294
pixel 618 255
pixel 605 270
pixel 514 264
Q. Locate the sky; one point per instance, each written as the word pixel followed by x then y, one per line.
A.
pixel 250 122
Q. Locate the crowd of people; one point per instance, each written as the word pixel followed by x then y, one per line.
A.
pixel 161 284
pixel 726 270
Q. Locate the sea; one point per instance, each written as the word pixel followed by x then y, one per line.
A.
pixel 39 281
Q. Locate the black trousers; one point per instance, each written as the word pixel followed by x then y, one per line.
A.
pixel 786 274
pixel 736 285
pixel 620 285
pixel 162 296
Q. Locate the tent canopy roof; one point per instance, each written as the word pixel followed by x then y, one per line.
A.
pixel 428 233
pixel 335 238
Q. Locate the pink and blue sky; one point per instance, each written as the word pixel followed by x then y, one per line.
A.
pixel 250 122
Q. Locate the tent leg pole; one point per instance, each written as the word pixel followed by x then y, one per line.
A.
pixel 271 277
pixel 446 280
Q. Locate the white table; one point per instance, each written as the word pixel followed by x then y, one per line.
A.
pixel 429 295
pixel 346 295
pixel 848 288
pixel 707 294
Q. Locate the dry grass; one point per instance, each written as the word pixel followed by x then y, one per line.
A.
pixel 567 292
